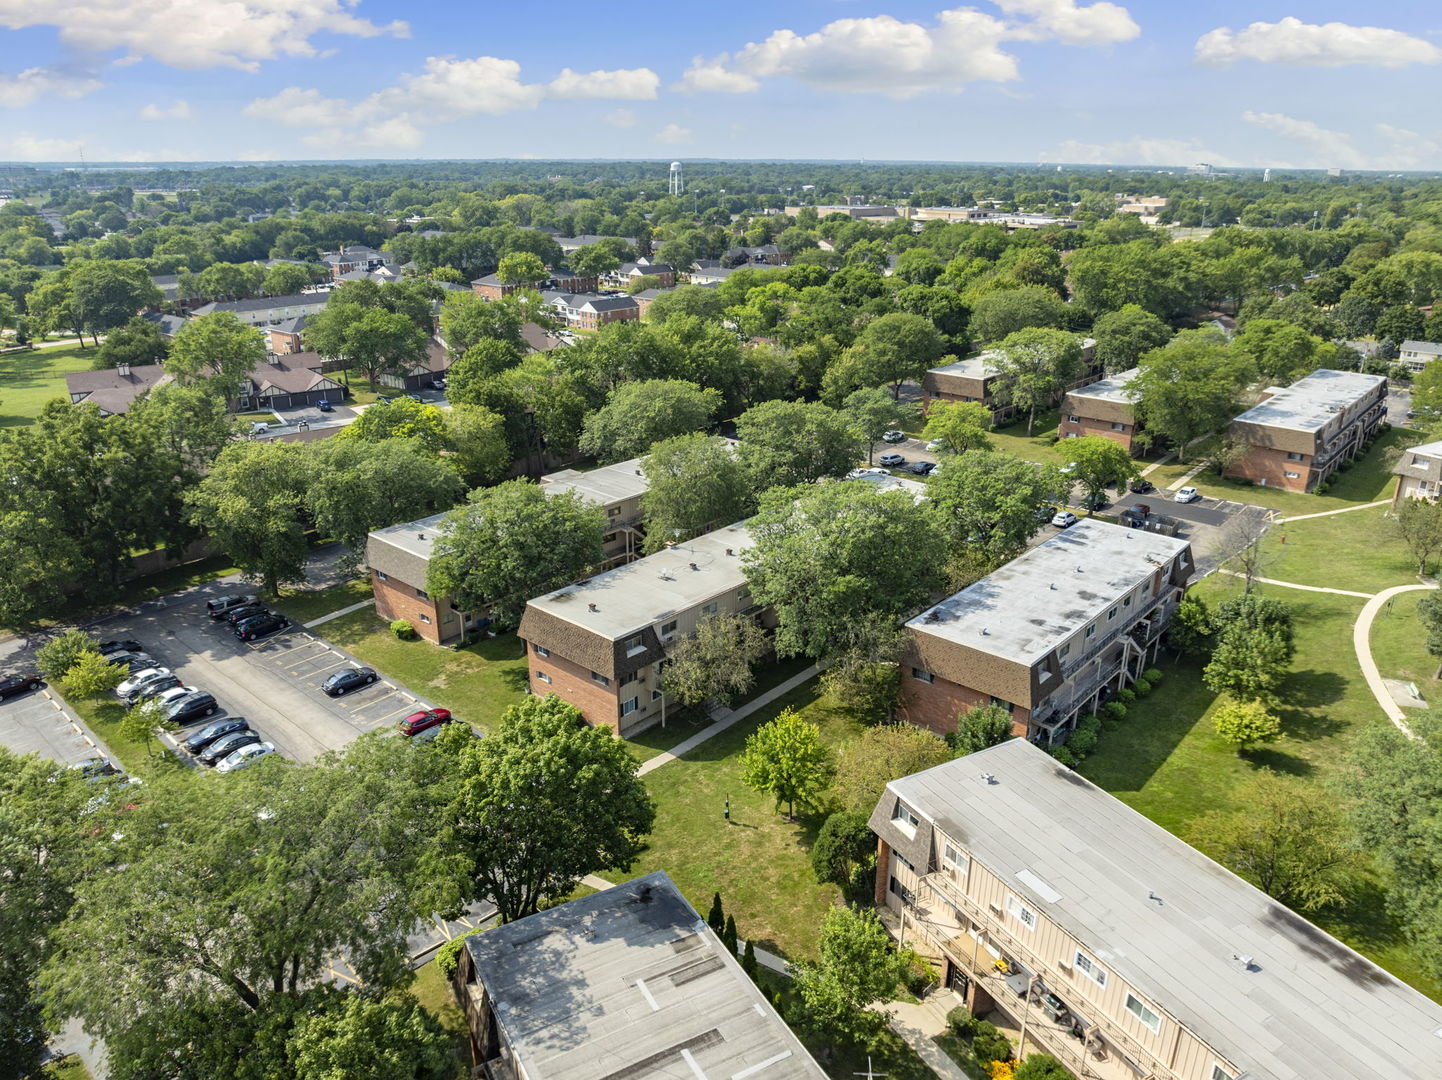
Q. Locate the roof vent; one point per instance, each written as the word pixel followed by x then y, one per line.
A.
pixel 1244 960
pixel 420 536
pixel 639 473
pixel 592 607
pixel 988 778
pixel 1153 896
pixel 985 632
pixel 695 567
pixel 730 552
pixel 1078 569
pixel 933 615
pixel 1052 586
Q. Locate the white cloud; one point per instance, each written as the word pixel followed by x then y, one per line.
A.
pixel 621 118
pixel 196 34
pixel 294 107
pixel 27 147
pixel 28 87
pixel 885 55
pixel 1135 151
pixel 1408 149
pixel 179 111
pixel 673 135
pixel 635 84
pixel 1330 149
pixel 483 84
pixel 1291 41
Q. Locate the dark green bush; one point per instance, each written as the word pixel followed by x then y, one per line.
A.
pixel 1126 697
pixel 989 1045
pixel 961 1022
pixel 1141 688
pixel 1114 710
pixel 1042 1067
pixel 1063 755
pixel 1152 675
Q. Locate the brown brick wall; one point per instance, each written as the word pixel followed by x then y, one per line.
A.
pixel 1086 425
pixel 1264 463
pixel 936 705
pixel 600 705
pixel 883 870
pixel 397 600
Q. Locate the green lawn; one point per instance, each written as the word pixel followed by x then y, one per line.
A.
pixel 477 683
pixel 69 1067
pixel 103 715
pixel 1399 646
pixel 1166 761
pixel 1354 551
pixel 437 998
pixel 1037 446
pixel 28 380
pixel 302 605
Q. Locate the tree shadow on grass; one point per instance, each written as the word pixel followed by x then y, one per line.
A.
pixel 1313 689
pixel 1279 761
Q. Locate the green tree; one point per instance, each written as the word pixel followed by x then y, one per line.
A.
pixel 477 438
pixel 1244 723
pixel 107 294
pixel 714 663
pixel 1429 613
pixel 139 724
pixel 1188 389
pixel 959 426
pixel 541 802
pixel 383 342
pixel 57 656
pixel 510 543
pixel 824 559
pixel 694 300
pixel 593 260
pixel 1123 337
pixel 1042 1067
pixel 522 268
pixel 794 442
pixel 874 412
pixel 845 850
pixel 864 675
pixel 217 346
pixel 1418 524
pixel 483 360
pixel 694 483
pixel 990 499
pixel 1036 365
pixel 401 418
pixel 638 414
pixel 786 759
pixel 1191 631
pixel 468 319
pixel 1000 314
pixel 979 728
pixel 363 1038
pixel 1287 837
pixel 716 917
pixel 894 348
pixel 229 281
pixel 880 755
pixel 858 967
pixel 542 406
pixel 91 675
pixel 1281 351
pixel 1098 461
pixel 136 343
pixel 286 279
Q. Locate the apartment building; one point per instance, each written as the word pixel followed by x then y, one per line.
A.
pixel 347 260
pixel 1105 407
pixel 268 310
pixel 1298 435
pixel 1050 635
pixel 618 490
pixel 1419 473
pixel 1119 949
pixel 591 311
pixel 626 984
pixel 561 280
pixel 599 644
pixel 626 273
pixel 977 379
pixel 1418 354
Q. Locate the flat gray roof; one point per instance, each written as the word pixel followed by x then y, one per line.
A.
pixel 885 481
pixel 605 486
pixel 643 592
pixel 1310 402
pixel 416 538
pixel 631 984
pixel 1308 1007
pixel 1038 600
pixel 1112 388
pixel 975 367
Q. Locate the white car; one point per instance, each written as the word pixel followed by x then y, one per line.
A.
pixel 857 474
pixel 244 756
pixel 1065 519
pixel 892 459
pixel 935 445
pixel 1186 495
pixel 140 680
pixel 894 436
pixel 175 693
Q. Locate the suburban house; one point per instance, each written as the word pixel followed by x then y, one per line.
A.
pixel 418 375
pixel 381 275
pixel 114 390
pixel 347 260
pixel 539 339
pixel 266 310
pixel 288 336
pixel 398 557
pixel 1050 635
pixel 617 489
pixel 599 643
pixel 1103 408
pixel 168 325
pixel 169 286
pixel 562 280
pixel 569 244
pixel 1419 472
pixel 1117 948
pixel 626 273
pixel 977 379
pixel 625 984
pixel 760 255
pixel 281 382
pixel 645 296
pixel 1418 354
pixel 709 275
pixel 591 311
pixel 1298 435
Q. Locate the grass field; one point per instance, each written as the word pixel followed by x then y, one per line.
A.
pixel 28 380
pixel 1354 551
pixel 302 605
pixel 68 1068
pixel 1399 646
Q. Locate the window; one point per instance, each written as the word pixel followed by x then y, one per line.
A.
pixel 1065 650
pixel 609 538
pixel 629 706
pixel 1000 704
pixel 905 816
pixel 1127 600
pixel 955 859
pixel 425 618
pixel 1219 1073
pixel 541 650
pixel 709 609
pixel 422 594
pixel 655 694
pixel 634 644
pixel 613 511
pixel 1091 631
pixel 1119 427
pixel 668 628
pixel 901 891
pixel 1112 614
pixel 599 678
pixel 382 577
pixel 921 675
pixel 1291 475
pixel 541 676
pixel 626 680
pixel 743 596
pixel 1294 457
pixel 1091 969
pixel 1142 1013
pixel 1021 913
pixel 1073 419
pixel 1415 461
pixel 904 861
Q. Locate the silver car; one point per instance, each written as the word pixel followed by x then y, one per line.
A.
pixel 135 685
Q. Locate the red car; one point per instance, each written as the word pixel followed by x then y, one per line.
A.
pixel 415 723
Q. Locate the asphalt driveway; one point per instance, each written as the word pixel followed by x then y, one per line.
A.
pixel 40 723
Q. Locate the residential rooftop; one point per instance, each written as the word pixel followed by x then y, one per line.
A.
pixel 1040 599
pixel 605 486
pixel 265 303
pixel 1112 388
pixel 1311 402
pixel 1277 996
pixel 973 367
pixel 1427 348
pixel 887 481
pixel 646 591
pixel 628 984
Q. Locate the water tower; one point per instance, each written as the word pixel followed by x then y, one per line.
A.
pixel 676 185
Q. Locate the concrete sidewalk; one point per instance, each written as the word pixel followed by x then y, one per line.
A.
pixel 919 1024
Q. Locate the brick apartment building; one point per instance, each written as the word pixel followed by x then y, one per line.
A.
pixel 626 273
pixel 267 310
pixel 591 311
pixel 599 643
pixel 1102 408
pixel 561 280
pixel 977 379
pixel 625 984
pixel 347 260
pixel 1298 436
pixel 288 336
pixel 1049 635
pixel 1056 909
pixel 618 490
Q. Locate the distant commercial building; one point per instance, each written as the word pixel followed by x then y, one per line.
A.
pixel 880 215
pixel 1298 435
pixel 988 215
pixel 626 984
pixel 1119 949
pixel 1104 408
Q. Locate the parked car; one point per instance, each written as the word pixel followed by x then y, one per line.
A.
pixel 856 474
pixel 1099 501
pixel 156 688
pixel 347 679
pixel 1143 486
pixel 324 406
pixel 221 604
pixel 208 734
pixel 935 446
pixel 96 767
pixel 923 468
pixel 260 625
pixel 132 661
pixel 1064 520
pixel 891 460
pixel 417 722
pixel 258 427
pixel 244 611
pixel 191 707
pixel 139 681
pixel 23 683
pixel 244 756
pixel 437 384
pixel 894 436
pixel 1045 513
pixel 123 645
pixel 1186 495
pixel 226 745
pixel 163 698
pixel 1068 468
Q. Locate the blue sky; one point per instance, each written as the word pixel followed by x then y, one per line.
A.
pixel 1303 84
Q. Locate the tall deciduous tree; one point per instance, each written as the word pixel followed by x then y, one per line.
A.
pixel 999 314
pixel 959 426
pixel 1123 337
pixel 541 802
pixel 990 500
pixel 1429 613
pixel 383 342
pixel 636 415
pixel 872 413
pixel 106 294
pixel 404 418
pixel 91 675
pixel 511 543
pixel 786 759
pixel 286 279
pixel 1418 524
pixel 138 342
pixel 858 967
pixel 693 483
pixel 795 442
pixel 522 268
pixel 1036 365
pixel 1098 461
pixel 1188 389
pixel 477 439
pixel 217 346
pixel 468 319
pixel 894 348
pixel 880 755
pixel 714 663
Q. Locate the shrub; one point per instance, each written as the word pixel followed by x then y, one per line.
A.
pixel 961 1022
pixel 1152 675
pixel 1126 697
pixel 1141 688
pixel 448 956
pixel 57 656
pixel 403 629
pixel 919 972
pixel 1042 1067
pixel 1083 739
pixel 990 1045
pixel 1114 710
pixel 1063 755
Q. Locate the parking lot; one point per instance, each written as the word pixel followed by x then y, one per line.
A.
pixel 39 723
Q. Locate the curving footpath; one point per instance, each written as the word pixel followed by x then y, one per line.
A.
pixel 1361 643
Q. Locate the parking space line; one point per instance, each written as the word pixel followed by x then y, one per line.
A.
pixel 295 669
pixel 359 704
